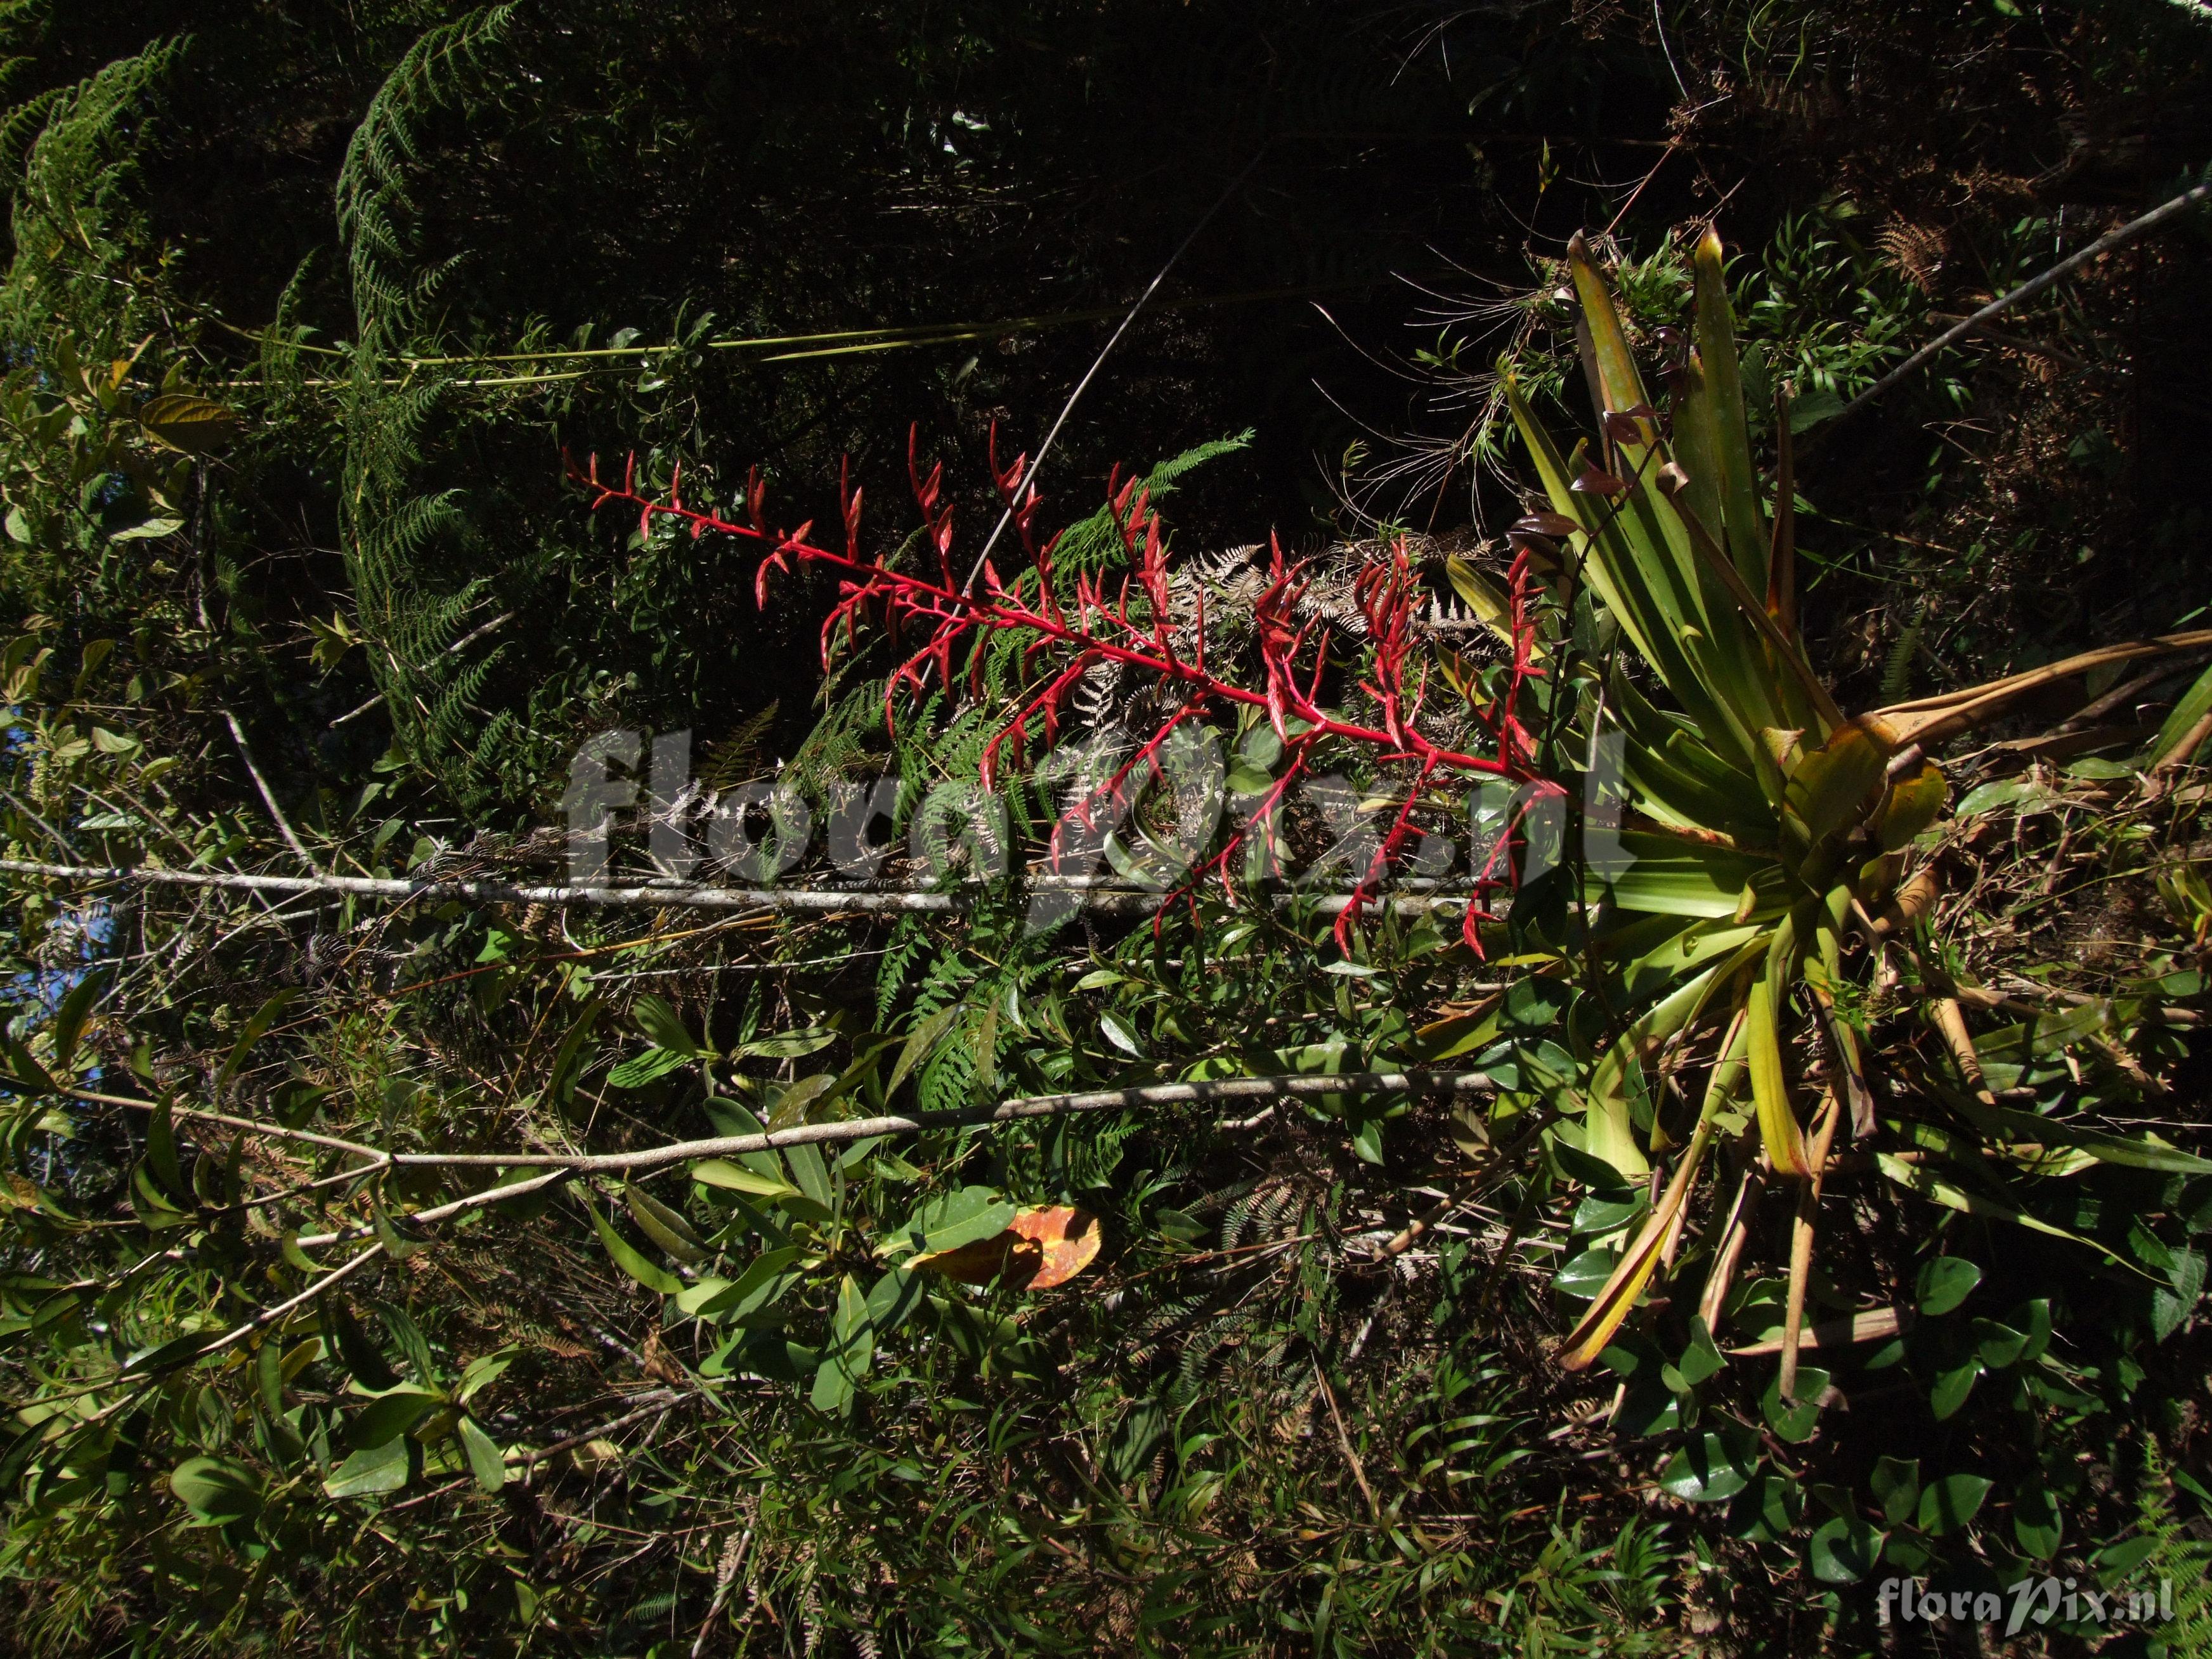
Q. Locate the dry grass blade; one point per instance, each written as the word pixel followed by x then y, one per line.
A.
pixel 1928 720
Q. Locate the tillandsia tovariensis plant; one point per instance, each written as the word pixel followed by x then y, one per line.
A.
pixel 1763 827
pixel 1052 630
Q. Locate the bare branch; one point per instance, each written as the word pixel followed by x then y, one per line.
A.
pixel 1116 901
pixel 562 1166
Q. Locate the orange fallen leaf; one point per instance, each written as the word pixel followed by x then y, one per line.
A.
pixel 1069 1239
pixel 1043 1246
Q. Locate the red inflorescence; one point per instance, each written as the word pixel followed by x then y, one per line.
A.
pixel 1132 626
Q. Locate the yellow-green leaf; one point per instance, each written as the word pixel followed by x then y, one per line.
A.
pixel 1914 799
pixel 1920 1179
pixel 1769 1088
pixel 1745 531
pixel 184 420
pixel 1482 595
pixel 734 1177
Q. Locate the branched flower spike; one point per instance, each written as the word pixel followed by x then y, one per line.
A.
pixel 1068 631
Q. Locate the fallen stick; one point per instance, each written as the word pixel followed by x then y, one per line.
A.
pixel 1120 901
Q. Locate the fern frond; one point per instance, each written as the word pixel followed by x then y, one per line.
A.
pixel 1092 543
pixel 373 198
pixel 1896 666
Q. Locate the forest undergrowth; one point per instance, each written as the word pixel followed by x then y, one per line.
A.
pixel 1511 978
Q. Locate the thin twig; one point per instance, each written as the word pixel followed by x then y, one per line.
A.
pixel 1344 1440
pixel 260 1321
pixel 268 796
pixel 659 1408
pixel 467 639
pixel 252 1126
pixel 1208 1092
pixel 1099 362
pixel 66 845
pixel 562 1166
pixel 269 1316
pixel 726 1574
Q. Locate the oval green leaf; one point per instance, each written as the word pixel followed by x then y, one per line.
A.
pixel 1945 1283
pixel 1711 1469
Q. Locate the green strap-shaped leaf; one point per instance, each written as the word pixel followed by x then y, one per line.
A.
pixel 568 1058
pixel 358 1353
pixel 1748 533
pixel 23 1072
pixel 1616 363
pixel 1676 876
pixel 2144 1152
pixel 1610 1132
pixel 1696 442
pixel 70 1019
pixel 759 1286
pixel 2195 704
pixel 850 1352
pixel 629 1259
pixel 920 1046
pixel 390 1415
pixel 1917 1178
pixel 664 1226
pixel 1769 1088
pixel 736 1178
pixel 161 1150
pixel 812 1174
pixel 256 1028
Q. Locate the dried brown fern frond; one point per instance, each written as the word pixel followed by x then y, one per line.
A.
pixel 1916 252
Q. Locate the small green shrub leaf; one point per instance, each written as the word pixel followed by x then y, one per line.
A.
pixel 2037 1525
pixel 483 1453
pixel 1952 1388
pixel 1711 1467
pixel 1844 1550
pixel 367 1473
pixel 1949 1503
pixel 216 1490
pixel 1945 1283
pixel 1896 1485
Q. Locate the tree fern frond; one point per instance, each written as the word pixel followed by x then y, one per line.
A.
pixel 371 191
